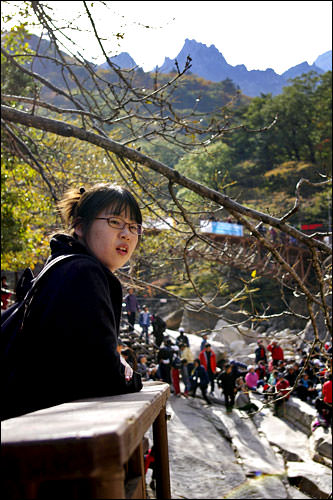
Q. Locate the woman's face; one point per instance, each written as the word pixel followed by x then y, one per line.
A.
pixel 112 247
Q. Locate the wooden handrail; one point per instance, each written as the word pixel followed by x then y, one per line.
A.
pixel 92 445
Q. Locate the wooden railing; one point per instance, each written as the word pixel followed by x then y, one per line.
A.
pixel 90 448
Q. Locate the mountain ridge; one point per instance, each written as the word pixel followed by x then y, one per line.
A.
pixel 209 63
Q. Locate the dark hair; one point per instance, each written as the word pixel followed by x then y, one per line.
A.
pixel 197 360
pixel 79 205
pixel 207 345
pixel 226 366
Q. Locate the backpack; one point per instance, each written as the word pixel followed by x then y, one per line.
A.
pixel 158 324
pixel 12 320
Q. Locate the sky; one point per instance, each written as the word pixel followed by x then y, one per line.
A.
pixel 261 35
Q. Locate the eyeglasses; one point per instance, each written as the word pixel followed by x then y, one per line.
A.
pixel 117 223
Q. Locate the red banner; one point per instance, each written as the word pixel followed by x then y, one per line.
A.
pixel 310 226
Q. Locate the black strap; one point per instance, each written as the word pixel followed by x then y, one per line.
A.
pixel 45 269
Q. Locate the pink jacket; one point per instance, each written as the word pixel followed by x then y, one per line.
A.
pixel 251 379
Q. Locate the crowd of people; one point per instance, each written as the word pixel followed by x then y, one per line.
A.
pixel 273 377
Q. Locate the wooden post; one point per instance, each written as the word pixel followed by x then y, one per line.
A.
pixel 161 456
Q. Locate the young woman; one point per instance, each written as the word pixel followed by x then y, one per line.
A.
pixel 68 347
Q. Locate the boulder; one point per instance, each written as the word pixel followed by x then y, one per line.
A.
pixel 320 442
pixel 256 455
pixel 197 320
pixel 173 319
pixel 227 334
pixel 300 414
pixel 310 477
pixel 292 442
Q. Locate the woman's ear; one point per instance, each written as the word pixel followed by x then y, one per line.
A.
pixel 78 228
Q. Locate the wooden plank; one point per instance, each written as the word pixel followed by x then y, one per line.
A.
pixel 161 456
pixel 92 438
pixel 133 488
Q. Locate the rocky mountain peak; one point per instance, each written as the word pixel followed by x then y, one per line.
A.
pixel 324 61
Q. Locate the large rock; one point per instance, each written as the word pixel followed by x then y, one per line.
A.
pixel 320 442
pixel 257 457
pixel 197 320
pixel 202 462
pixel 173 320
pixel 300 414
pixel 310 477
pixel 292 442
pixel 227 334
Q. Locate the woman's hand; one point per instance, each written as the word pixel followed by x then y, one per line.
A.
pixel 128 369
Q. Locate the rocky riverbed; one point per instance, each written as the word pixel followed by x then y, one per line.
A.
pixel 214 454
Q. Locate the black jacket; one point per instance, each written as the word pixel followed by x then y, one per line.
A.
pixel 68 348
pixel 226 381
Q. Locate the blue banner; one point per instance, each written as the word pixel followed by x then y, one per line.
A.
pixel 217 227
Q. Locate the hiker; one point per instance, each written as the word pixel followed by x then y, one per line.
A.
pixel 251 378
pixel 324 404
pixel 186 353
pixel 142 367
pixel 305 389
pixel 159 327
pixel 260 352
pixel 68 349
pixel 182 338
pixel 144 322
pixel 276 352
pixel 208 360
pixel 200 378
pixel 281 389
pixel 185 374
pixel 226 380
pixel 204 341
pixel 242 398
pixel 176 366
pixel 164 359
pixel 132 306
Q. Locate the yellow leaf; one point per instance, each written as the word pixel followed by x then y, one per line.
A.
pixel 253 274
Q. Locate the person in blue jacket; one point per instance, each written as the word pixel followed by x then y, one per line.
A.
pixel 200 378
pixel 144 322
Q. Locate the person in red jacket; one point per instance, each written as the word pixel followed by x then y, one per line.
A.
pixel 281 388
pixel 323 404
pixel 208 360
pixel 327 390
pixel 276 352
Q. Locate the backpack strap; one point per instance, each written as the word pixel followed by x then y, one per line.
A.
pixel 45 269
